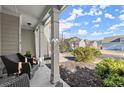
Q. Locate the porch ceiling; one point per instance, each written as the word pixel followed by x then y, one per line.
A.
pixel 29 13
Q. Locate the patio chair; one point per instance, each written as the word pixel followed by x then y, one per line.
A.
pixel 33 61
pixel 29 59
pixel 13 81
pixel 12 62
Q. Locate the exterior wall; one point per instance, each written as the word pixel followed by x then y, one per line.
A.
pixel 46 40
pixel 122 40
pixel 0 33
pixel 9 34
pixel 44 45
pixel 113 46
pixel 28 41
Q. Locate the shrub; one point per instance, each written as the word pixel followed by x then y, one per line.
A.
pixel 86 54
pixel 114 80
pixel 108 66
pixel 111 71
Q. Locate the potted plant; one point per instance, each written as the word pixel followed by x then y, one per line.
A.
pixel 28 53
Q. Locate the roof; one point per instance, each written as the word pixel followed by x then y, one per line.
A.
pixel 112 39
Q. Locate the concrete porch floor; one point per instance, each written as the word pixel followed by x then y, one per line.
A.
pixel 42 78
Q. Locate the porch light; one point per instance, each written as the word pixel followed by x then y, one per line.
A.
pixel 29 24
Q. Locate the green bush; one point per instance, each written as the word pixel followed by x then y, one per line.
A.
pixel 114 80
pixel 108 66
pixel 111 71
pixel 86 54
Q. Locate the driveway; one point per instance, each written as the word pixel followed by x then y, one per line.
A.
pixel 64 57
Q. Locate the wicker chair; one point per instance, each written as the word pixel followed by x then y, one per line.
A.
pixel 20 81
pixel 11 63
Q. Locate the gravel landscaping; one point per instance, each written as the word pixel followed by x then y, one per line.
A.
pixel 77 74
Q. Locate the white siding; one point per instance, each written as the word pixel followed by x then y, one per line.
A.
pixel 46 39
pixel 28 41
pixel 10 34
pixel 0 33
pixel 44 45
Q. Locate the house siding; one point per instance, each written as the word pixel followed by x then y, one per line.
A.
pixel 9 34
pixel 45 40
pixel 113 46
pixel 28 41
pixel 44 45
pixel 0 33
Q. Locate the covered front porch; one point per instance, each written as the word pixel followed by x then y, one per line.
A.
pixel 36 28
pixel 42 78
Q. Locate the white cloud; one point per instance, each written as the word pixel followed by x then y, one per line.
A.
pixel 122 31
pixel 113 27
pixel 96 33
pixel 67 35
pixel 107 15
pixel 97 20
pixel 116 10
pixel 122 10
pixel 72 17
pixel 67 25
pixel 86 23
pixel 110 32
pixel 74 14
pixel 97 25
pixel 121 17
pixel 94 11
pixel 98 13
pixel 82 32
pixel 104 6
pixel 78 12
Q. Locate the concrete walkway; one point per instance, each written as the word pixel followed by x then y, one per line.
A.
pixel 42 78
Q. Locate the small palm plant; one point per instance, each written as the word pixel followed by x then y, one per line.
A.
pixel 28 53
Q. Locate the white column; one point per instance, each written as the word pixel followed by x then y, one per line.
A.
pixel 37 43
pixel 55 76
pixel 41 42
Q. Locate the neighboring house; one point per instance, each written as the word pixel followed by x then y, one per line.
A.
pixel 94 44
pixel 74 42
pixel 84 43
pixel 113 43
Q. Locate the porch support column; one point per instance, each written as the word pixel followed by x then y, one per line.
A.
pixel 37 43
pixel 55 75
pixel 41 43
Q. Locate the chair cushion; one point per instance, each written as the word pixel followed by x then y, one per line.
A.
pixel 13 57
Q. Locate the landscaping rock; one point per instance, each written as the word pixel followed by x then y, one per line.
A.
pixel 81 77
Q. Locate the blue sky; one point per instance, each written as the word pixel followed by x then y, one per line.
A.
pixel 92 22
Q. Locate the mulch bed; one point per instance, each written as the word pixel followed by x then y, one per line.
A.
pixel 78 74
